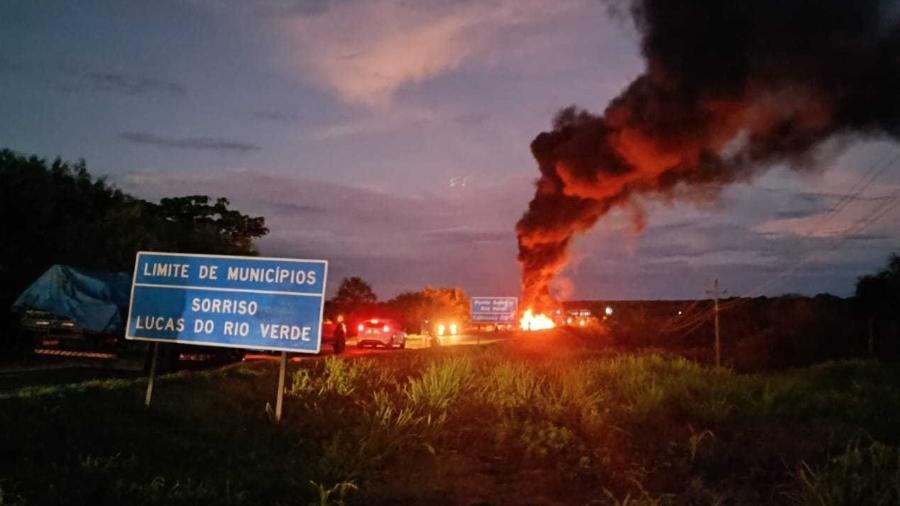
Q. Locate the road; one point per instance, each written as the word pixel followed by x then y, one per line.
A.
pixel 413 342
pixel 53 367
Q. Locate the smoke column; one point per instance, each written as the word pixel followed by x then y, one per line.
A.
pixel 729 88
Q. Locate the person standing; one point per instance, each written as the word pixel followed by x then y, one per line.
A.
pixel 340 335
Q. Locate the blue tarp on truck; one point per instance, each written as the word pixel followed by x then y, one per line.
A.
pixel 95 301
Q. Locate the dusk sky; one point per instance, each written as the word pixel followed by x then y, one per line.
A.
pixel 392 138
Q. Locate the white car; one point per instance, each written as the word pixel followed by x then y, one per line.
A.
pixel 380 332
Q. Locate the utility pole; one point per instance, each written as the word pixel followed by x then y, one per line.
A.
pixel 716 293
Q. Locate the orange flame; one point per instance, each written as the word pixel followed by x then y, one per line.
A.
pixel 531 321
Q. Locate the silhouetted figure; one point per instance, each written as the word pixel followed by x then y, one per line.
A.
pixel 340 335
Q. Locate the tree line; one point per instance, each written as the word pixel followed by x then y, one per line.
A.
pixel 414 310
pixel 771 332
pixel 58 213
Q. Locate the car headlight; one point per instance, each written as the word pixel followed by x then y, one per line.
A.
pixel 453 329
pixel 441 329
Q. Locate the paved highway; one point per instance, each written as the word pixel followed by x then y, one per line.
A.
pixel 51 367
pixel 413 342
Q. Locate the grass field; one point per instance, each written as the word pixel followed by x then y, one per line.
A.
pixel 544 419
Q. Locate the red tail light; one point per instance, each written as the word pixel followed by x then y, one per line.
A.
pixel 360 327
pixel 386 328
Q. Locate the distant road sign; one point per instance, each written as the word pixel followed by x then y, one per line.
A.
pixel 238 302
pixel 494 309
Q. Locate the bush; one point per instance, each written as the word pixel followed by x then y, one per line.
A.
pixel 864 474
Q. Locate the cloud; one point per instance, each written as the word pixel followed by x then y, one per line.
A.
pixel 465 236
pixel 366 51
pixel 795 213
pixel 380 121
pixel 276 7
pixel 765 238
pixel 397 242
pixel 472 118
pixel 68 77
pixel 277 116
pixel 130 84
pixel 201 143
pixel 291 209
pixel 11 66
pixel 845 219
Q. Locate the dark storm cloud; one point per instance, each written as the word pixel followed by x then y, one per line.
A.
pixel 201 143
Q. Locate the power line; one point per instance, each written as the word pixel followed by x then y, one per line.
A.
pixel 847 234
pixel 862 184
pixel 856 190
pixel 689 323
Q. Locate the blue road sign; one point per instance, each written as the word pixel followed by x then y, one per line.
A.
pixel 238 302
pixel 494 309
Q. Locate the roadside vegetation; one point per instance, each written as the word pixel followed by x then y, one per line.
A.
pixel 543 419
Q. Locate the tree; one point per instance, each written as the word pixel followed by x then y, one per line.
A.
pixel 198 226
pixel 415 308
pixel 878 300
pixel 411 309
pixel 447 303
pixel 878 295
pixel 59 214
pixel 354 295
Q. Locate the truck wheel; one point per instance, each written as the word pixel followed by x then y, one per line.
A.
pixel 339 345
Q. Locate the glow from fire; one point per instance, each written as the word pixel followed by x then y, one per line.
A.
pixel 531 321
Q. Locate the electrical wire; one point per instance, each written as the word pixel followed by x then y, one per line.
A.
pixel 691 323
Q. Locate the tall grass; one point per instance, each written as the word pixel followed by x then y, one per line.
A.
pixel 335 495
pixel 511 386
pixel 864 473
pixel 336 377
pixel 464 425
pixel 441 385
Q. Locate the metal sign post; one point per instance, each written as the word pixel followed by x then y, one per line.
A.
pixel 153 358
pixel 227 301
pixel 280 399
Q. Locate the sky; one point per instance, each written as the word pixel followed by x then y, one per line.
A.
pixel 392 138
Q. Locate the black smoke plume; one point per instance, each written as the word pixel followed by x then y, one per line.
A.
pixel 730 88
